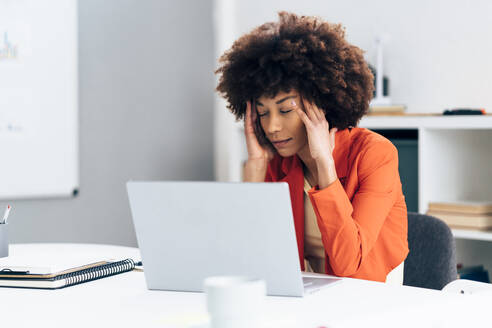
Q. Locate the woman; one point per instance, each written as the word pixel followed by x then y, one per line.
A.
pixel 301 89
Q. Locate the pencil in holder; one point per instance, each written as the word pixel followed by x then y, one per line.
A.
pixel 4 240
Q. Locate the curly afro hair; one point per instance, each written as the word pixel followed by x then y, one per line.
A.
pixel 302 53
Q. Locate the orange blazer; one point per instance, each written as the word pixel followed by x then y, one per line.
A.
pixel 362 216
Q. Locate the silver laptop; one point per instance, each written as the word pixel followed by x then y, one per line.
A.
pixel 187 231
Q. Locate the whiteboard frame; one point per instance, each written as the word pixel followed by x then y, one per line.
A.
pixel 61 179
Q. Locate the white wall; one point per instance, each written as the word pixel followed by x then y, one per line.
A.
pixel 438 55
pixel 146 112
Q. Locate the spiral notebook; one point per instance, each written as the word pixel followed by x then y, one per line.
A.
pixel 65 278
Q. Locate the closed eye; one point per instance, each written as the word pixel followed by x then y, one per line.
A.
pixel 282 111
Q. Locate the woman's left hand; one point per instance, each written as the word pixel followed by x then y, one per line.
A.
pixel 321 139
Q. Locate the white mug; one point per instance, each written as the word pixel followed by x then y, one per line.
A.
pixel 235 301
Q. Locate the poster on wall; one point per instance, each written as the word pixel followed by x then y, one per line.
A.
pixel 38 99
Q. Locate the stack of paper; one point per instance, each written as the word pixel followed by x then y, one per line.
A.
pixel 463 214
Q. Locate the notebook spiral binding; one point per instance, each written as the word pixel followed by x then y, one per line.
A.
pixel 98 272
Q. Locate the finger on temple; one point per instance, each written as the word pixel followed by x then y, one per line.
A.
pixel 247 120
pixel 302 115
pixel 309 110
pixel 320 113
pixel 253 109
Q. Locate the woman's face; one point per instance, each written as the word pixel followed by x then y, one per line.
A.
pixel 280 122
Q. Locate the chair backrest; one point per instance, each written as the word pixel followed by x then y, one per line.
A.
pixel 431 262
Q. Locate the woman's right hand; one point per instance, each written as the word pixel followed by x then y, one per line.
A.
pixel 256 152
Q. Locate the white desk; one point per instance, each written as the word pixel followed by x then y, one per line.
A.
pixel 123 300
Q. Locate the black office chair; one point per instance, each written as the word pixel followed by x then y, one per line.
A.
pixel 431 262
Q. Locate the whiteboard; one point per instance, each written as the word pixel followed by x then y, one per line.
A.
pixel 38 98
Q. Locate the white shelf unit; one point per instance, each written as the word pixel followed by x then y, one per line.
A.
pixel 474 122
pixel 472 234
pixel 455 159
pixel 455 162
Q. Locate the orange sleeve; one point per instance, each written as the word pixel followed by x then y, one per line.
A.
pixel 350 229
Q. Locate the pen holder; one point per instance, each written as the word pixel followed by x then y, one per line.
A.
pixel 4 240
